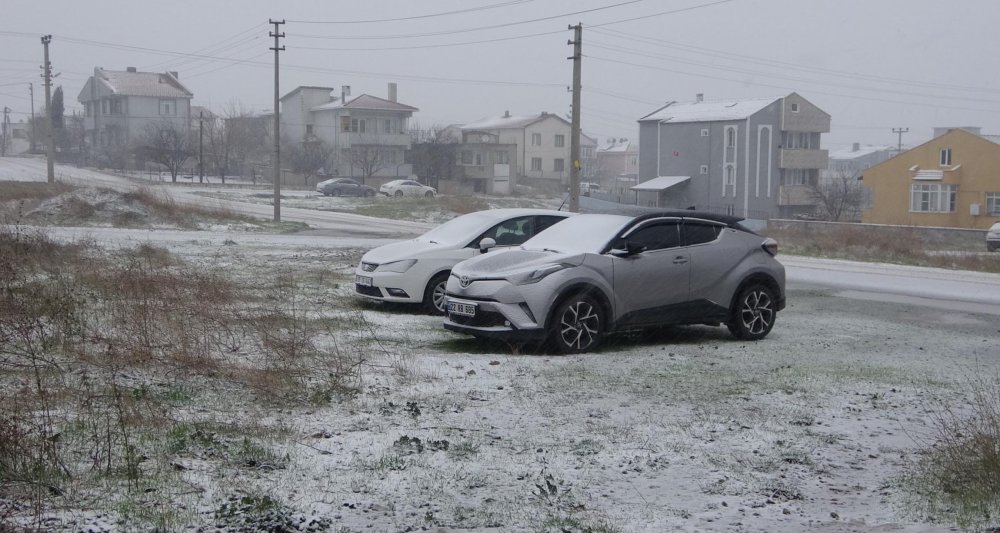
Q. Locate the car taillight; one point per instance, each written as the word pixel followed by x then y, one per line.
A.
pixel 770 246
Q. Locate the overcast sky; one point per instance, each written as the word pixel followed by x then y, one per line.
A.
pixel 874 65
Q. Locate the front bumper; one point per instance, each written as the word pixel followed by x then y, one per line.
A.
pixel 494 320
pixel 389 287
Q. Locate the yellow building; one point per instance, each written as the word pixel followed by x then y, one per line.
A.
pixel 950 181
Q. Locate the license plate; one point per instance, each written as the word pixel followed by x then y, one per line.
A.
pixel 459 308
pixel 364 281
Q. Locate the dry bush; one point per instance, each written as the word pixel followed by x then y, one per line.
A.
pixel 463 204
pixel 15 191
pixel 161 204
pixel 958 475
pixel 85 336
pixel 889 245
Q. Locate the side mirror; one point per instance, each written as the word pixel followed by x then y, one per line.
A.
pixel 626 248
pixel 486 244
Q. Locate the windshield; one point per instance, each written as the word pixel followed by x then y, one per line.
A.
pixel 459 230
pixel 582 233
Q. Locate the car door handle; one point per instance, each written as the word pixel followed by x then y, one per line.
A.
pixel 680 260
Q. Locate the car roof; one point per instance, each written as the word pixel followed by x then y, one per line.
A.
pixel 513 212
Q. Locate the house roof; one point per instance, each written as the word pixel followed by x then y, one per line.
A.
pixel 709 110
pixel 863 151
pixel 301 87
pixel 509 121
pixel 366 101
pixel 661 183
pixel 156 84
pixel 617 147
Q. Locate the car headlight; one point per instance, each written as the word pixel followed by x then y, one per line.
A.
pixel 397 266
pixel 534 276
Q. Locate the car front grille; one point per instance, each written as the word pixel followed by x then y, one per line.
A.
pixel 368 267
pixel 483 319
pixel 368 290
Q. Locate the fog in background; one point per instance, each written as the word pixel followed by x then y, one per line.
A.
pixel 874 65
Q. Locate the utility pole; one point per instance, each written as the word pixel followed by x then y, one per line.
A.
pixel 201 147
pixel 3 143
pixel 50 150
pixel 574 143
pixel 277 123
pixel 31 91
pixel 900 131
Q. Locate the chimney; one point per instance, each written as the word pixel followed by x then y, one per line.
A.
pixel 130 69
pixel 700 97
pixel 506 114
pixel 392 92
pixel 855 147
pixel 174 74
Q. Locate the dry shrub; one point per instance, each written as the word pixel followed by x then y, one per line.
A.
pixel 889 245
pixel 161 204
pixel 26 190
pixel 462 204
pixel 957 477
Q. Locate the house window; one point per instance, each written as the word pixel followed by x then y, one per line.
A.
pixel 345 124
pixel 704 132
pixel 536 139
pixel 387 126
pixel 309 129
pixel 560 141
pixel 703 170
pixel 730 156
pixel 993 203
pixel 946 157
pixel 479 159
pixel 795 108
pixel 536 163
pixel 501 158
pixel 932 198
pixel 168 107
pixel 466 157
pixel 558 164
pixel 796 176
pixel 730 180
pixel 105 107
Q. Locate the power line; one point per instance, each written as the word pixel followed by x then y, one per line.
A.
pixel 481 28
pixel 415 17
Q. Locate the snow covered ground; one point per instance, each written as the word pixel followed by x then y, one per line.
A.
pixel 684 429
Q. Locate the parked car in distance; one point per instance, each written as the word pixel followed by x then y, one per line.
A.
pixel 416 271
pixel 406 188
pixel 343 187
pixel 592 275
pixel 993 238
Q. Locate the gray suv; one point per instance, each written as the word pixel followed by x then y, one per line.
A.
pixel 591 275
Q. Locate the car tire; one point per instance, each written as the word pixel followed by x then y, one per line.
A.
pixel 577 325
pixel 429 194
pixel 434 294
pixel 753 313
pixel 398 194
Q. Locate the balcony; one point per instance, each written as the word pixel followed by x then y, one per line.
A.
pixel 799 158
pixel 349 139
pixel 795 195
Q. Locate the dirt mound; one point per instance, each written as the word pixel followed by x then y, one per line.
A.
pixel 88 206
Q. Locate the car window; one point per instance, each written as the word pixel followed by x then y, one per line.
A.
pixel 511 232
pixel 657 236
pixel 543 222
pixel 699 233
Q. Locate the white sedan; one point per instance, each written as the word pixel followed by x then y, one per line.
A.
pixel 417 271
pixel 399 188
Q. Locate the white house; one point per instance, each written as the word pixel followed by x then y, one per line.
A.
pixel 120 105
pixel 369 135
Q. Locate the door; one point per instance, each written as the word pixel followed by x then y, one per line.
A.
pixel 652 286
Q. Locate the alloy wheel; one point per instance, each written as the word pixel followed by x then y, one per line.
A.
pixel 757 312
pixel 579 325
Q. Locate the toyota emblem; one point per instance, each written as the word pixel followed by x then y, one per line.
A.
pixel 464 281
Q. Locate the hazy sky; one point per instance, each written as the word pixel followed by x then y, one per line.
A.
pixel 874 65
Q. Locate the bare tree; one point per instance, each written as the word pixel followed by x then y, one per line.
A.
pixel 163 143
pixel 434 154
pixel 838 197
pixel 308 157
pixel 247 137
pixel 370 154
